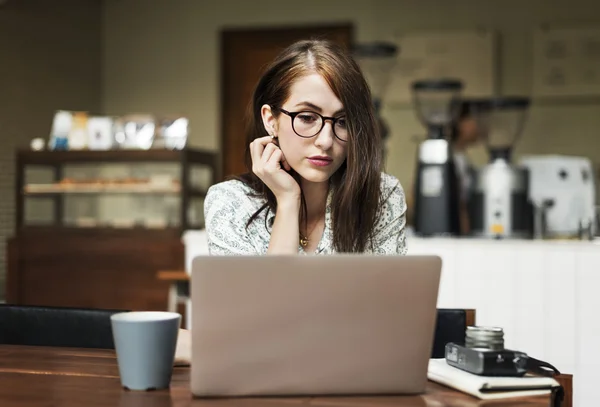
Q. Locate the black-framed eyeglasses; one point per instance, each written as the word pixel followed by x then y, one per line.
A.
pixel 307 124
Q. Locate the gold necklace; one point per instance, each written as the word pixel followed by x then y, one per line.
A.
pixel 304 239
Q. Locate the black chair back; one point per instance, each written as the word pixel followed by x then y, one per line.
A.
pixel 451 326
pixel 91 328
pixel 56 326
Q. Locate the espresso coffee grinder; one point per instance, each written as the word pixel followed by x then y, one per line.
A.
pixel 436 187
pixel 500 206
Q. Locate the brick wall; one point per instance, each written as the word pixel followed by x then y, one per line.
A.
pixel 50 58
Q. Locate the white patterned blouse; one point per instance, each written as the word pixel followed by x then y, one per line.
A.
pixel 229 205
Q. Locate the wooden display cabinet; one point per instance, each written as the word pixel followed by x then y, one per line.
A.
pixel 99 263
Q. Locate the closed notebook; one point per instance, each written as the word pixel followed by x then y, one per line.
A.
pixel 488 388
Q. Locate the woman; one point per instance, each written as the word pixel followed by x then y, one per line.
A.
pixel 314 181
pixel 465 135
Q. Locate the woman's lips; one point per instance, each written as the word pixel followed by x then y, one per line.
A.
pixel 320 161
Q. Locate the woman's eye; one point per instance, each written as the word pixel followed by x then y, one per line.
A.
pixel 341 122
pixel 307 117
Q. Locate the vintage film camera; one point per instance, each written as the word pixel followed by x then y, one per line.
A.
pixel 484 355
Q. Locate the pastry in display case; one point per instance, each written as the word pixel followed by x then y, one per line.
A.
pixel 134 188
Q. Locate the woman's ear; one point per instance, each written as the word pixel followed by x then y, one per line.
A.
pixel 269 120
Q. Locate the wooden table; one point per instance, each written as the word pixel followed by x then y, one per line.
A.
pixel 62 377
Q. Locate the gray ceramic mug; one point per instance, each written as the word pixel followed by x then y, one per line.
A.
pixel 145 343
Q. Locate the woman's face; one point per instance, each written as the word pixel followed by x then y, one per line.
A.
pixel 316 158
pixel 468 130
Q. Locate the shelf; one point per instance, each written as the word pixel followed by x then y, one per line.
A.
pixel 33 190
pixel 53 189
pixel 29 157
pixel 50 231
pixel 181 186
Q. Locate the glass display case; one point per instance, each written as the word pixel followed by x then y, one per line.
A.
pixel 154 189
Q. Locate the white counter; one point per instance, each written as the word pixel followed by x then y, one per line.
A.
pixel 545 294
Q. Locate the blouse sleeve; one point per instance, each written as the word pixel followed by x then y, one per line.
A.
pixel 389 234
pixel 225 220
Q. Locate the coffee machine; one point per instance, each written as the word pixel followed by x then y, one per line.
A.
pixel 563 192
pixel 437 210
pixel 500 206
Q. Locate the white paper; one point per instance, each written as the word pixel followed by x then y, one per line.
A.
pixel 566 62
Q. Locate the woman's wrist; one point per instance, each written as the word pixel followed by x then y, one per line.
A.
pixel 289 203
pixel 284 235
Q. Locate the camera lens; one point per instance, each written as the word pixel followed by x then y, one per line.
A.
pixel 485 338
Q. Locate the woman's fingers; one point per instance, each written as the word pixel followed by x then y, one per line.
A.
pixel 274 162
pixel 268 152
pixel 269 163
pixel 255 154
pixel 257 148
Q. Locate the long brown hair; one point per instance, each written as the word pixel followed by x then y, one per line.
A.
pixel 356 184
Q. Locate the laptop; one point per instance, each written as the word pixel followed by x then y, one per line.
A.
pixel 312 325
